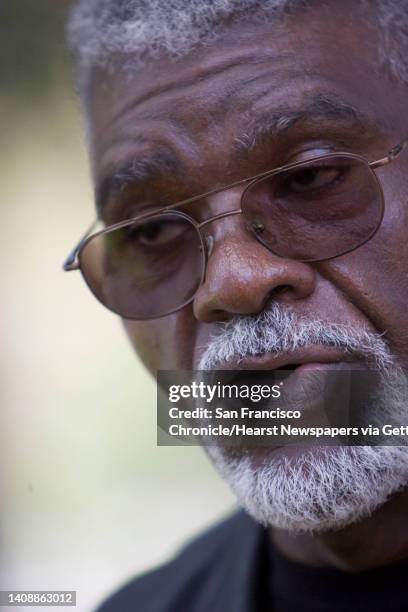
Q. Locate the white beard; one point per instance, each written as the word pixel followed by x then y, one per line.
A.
pixel 323 488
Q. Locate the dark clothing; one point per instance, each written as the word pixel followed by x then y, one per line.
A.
pixel 298 588
pixel 233 568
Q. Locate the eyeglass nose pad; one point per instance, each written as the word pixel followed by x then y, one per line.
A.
pixel 209 241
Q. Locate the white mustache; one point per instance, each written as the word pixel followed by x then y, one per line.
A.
pixel 278 330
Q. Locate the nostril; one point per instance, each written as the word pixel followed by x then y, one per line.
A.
pixel 277 291
pixel 281 289
pixel 217 314
pixel 218 311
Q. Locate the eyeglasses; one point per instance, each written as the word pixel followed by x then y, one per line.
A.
pixel 153 265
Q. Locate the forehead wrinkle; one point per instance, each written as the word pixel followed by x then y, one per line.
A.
pixel 203 71
pixel 148 129
pixel 242 92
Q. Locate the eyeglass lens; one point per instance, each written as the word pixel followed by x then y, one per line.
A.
pixel 316 211
pixel 147 268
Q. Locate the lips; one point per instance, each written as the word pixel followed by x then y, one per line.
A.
pixel 305 358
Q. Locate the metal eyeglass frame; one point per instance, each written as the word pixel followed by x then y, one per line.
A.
pixel 73 262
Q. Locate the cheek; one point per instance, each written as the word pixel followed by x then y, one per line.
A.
pixel 167 343
pixel 375 278
pixel 392 245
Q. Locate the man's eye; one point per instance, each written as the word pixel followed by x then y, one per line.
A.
pixel 313 178
pixel 156 233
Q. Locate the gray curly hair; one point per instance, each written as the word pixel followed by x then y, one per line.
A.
pixel 99 30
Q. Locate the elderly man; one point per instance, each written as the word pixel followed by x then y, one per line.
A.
pixel 251 178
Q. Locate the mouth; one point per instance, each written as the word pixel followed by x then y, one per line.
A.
pixel 312 379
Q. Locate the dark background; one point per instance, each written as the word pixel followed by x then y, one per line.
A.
pixel 33 58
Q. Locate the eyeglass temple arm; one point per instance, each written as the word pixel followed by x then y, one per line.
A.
pixel 71 262
pixel 393 154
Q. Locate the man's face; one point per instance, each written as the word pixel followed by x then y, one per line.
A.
pixel 262 96
pixel 198 108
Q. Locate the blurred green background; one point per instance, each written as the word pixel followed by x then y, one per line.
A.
pixel 87 498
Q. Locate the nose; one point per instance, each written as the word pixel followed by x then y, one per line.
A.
pixel 242 275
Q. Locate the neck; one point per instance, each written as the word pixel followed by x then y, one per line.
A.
pixel 377 541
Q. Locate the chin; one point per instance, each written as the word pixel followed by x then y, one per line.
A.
pixel 312 489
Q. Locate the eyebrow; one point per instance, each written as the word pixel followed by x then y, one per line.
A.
pixel 319 108
pixel 163 161
pixel 143 169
